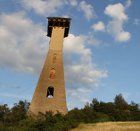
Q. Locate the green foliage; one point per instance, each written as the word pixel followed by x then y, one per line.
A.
pixel 120 102
pixel 14 115
pixel 4 112
pixel 16 119
pixel 119 110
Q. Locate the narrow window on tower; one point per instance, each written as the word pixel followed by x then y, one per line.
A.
pixel 52 73
pixel 50 92
pixel 54 58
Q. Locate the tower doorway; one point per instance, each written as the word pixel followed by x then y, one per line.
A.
pixel 50 92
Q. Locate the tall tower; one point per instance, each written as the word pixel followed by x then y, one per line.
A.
pixel 50 91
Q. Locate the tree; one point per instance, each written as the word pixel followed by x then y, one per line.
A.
pixel 4 111
pixel 95 104
pixel 120 102
pixel 18 112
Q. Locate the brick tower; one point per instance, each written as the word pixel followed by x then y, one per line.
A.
pixel 50 90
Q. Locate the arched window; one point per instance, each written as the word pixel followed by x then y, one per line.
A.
pixel 54 58
pixel 52 73
pixel 50 92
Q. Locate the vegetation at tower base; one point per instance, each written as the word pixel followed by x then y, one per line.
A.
pixel 15 118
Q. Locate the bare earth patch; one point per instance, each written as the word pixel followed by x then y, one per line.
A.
pixel 109 126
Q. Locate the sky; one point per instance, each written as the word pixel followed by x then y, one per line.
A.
pixel 101 53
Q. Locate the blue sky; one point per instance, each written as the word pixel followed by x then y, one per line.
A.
pixel 101 54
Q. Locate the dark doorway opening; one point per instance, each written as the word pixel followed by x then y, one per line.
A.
pixel 50 92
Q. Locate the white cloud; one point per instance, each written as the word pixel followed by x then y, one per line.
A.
pixel 50 7
pixel 123 36
pixel 44 7
pixel 87 9
pixel 82 76
pixel 22 42
pixel 115 26
pixel 98 26
pixel 76 45
pixel 23 48
pixel 116 11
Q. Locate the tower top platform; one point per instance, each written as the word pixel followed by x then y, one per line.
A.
pixel 58 22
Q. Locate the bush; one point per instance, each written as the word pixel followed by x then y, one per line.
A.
pixel 15 119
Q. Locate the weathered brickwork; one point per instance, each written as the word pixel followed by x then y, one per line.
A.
pixel 50 93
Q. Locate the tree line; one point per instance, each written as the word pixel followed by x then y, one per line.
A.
pixel 16 119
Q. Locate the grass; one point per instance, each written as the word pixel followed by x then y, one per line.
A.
pixel 109 126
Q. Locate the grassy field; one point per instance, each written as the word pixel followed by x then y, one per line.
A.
pixel 109 126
